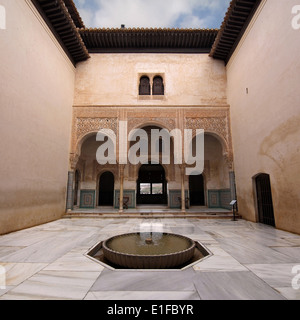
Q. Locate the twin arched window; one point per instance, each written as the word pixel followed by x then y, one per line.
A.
pixel 157 86
pixel 144 86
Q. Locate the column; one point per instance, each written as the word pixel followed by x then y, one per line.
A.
pixel 70 200
pixel 232 185
pixel 182 188
pixel 121 172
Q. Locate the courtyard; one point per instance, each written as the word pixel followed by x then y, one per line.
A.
pixel 249 262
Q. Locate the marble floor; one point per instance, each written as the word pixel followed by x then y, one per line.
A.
pixel 249 262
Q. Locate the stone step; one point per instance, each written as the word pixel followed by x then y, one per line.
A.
pixel 150 215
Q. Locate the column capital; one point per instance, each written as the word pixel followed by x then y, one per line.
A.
pixel 228 157
pixel 73 161
pixel 122 168
pixel 182 168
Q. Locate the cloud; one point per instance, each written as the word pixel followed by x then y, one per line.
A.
pixel 153 13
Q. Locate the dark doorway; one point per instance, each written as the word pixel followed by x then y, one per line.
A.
pixel 152 185
pixel 264 200
pixel 106 189
pixel 197 195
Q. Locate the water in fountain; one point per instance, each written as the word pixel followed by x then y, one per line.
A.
pixel 137 244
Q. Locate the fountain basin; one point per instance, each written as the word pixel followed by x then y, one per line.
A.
pixel 136 251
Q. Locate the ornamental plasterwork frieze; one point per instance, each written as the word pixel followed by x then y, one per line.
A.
pixel 213 121
pixel 168 123
pixel 87 125
pixel 216 125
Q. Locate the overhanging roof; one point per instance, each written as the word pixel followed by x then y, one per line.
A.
pixel 66 24
pixel 237 19
pixel 149 40
pixel 62 23
pixel 74 13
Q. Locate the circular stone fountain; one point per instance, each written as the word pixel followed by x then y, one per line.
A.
pixel 149 250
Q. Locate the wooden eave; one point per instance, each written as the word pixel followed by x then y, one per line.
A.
pixel 237 19
pixel 74 13
pixel 60 21
pixel 148 40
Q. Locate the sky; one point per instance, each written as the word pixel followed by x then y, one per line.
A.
pixel 153 13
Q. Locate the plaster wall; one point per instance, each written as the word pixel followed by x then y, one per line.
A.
pixel 264 97
pixel 36 96
pixel 113 80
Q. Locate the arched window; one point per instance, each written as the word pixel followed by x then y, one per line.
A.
pixel 158 86
pixel 144 89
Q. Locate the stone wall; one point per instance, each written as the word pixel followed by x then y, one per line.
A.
pixel 113 80
pixel 263 92
pixel 36 96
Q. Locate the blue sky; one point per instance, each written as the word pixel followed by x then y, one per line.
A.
pixel 152 13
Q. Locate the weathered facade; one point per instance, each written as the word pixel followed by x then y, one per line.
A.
pixel 76 81
pixel 192 101
pixel 264 101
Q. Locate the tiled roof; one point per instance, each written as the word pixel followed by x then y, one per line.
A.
pixel 148 40
pixel 60 21
pixel 66 24
pixel 74 13
pixel 237 19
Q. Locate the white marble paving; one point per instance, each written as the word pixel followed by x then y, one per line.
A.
pixel 234 286
pixel 75 260
pixel 276 275
pixel 26 238
pixel 3 291
pixel 249 261
pixel 16 273
pixel 293 252
pixel 289 293
pixel 250 252
pixel 4 251
pixel 44 251
pixel 143 295
pixel 54 285
pixel 220 261
pixel 145 281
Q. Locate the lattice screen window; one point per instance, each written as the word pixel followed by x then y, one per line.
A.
pixel 144 89
pixel 158 86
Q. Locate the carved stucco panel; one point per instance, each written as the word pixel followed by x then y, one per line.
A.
pixel 87 125
pixel 219 125
pixel 168 123
pixel 216 125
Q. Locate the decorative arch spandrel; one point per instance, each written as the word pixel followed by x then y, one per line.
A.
pixel 217 124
